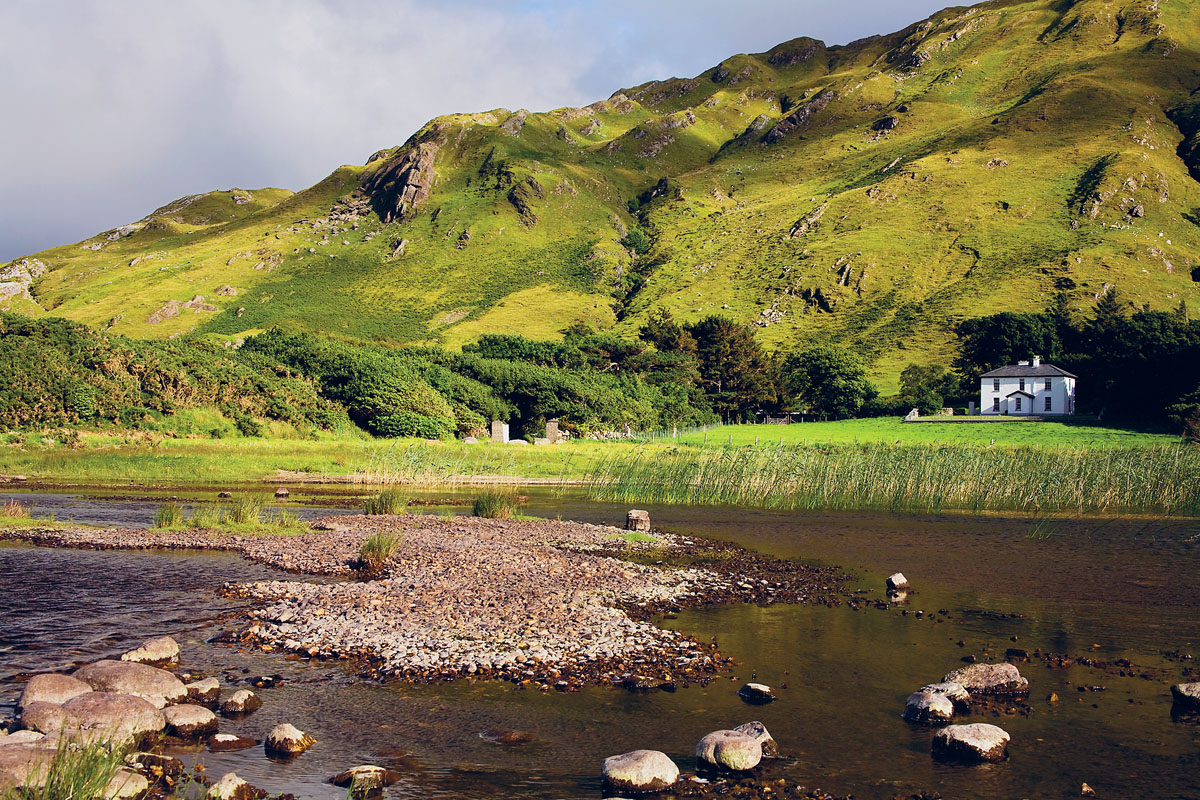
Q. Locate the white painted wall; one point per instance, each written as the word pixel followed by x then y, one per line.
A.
pixel 1061 394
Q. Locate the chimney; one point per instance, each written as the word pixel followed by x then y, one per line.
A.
pixel 1022 363
pixel 1037 361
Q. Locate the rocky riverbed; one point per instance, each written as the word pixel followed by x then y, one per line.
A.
pixel 542 603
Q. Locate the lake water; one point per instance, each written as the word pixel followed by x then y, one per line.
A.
pixel 1107 589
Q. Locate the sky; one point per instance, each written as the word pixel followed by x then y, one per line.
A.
pixel 111 110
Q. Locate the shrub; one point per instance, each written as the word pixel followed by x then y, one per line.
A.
pixel 14 510
pixel 408 423
pixel 168 515
pixel 249 426
pixel 389 501
pixel 495 505
pixel 377 548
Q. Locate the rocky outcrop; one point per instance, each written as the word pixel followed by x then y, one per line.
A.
pixel 973 743
pixel 365 778
pixel 17 277
pixel 799 118
pixel 162 650
pixel 730 750
pixel 808 222
pixel 157 686
pixel 897 583
pixel 522 195
pixel 640 772
pixel 51 688
pixel 188 721
pixel 403 182
pixel 989 679
pixel 287 740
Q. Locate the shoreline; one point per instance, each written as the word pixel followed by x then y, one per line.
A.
pixel 555 605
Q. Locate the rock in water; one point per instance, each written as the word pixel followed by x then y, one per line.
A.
pixel 188 721
pixel 989 679
pixel 1186 696
pixel 287 740
pixel 97 715
pixel 140 680
pixel 243 701
pixel 732 750
pixel 637 520
pixel 125 784
pixel 928 707
pixel 757 731
pixel 206 691
pixel 640 771
pixel 971 743
pixel 897 582
pixel 756 693
pixel 226 742
pixel 51 688
pixel 231 787
pixel 162 650
pixel 365 778
pixel 956 693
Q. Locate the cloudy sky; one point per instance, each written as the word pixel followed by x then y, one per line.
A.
pixel 109 110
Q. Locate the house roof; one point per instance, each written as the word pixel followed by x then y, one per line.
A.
pixel 1026 394
pixel 1030 371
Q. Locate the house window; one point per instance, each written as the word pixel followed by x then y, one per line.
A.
pixel 995 384
pixel 1047 384
pixel 1048 408
pixel 1022 387
pixel 995 404
pixel 1018 404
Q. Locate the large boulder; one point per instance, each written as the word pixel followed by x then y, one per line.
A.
pixel 928 707
pixel 732 750
pixel 162 650
pixel 1186 696
pixel 140 680
pixel 243 701
pixel 24 765
pixel 287 740
pixel 206 691
pixel 640 772
pixel 989 679
pixel 51 688
pixel 956 693
pixel 365 778
pixel 45 718
pixel 105 715
pixel 760 734
pixel 188 721
pixel 971 743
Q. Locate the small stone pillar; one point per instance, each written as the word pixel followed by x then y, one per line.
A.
pixel 552 431
pixel 637 520
pixel 499 431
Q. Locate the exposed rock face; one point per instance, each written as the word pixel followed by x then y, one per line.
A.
pixel 98 715
pixel 989 679
pixel 17 277
pixel 206 691
pixel 757 731
pixel 140 680
pixel 640 771
pixel 51 688
pixel 162 650
pixel 288 740
pixel 403 182
pixel 756 693
pixel 365 778
pixel 188 721
pixel 928 707
pixel 522 195
pixel 1186 696
pixel 799 118
pixel 886 124
pixel 243 701
pixel 732 750
pixel 971 743
pixel 794 52
pixel 808 222
pixel 513 125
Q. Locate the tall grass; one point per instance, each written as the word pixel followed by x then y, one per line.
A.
pixel 78 771
pixel 389 501
pixel 168 515
pixel 246 510
pixel 1161 480
pixel 495 505
pixel 377 548
pixel 14 510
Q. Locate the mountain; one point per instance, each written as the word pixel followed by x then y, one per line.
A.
pixel 876 193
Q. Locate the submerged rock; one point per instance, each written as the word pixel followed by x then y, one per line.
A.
pixel 971 743
pixel 206 691
pixel 51 688
pixel 243 701
pixel 989 679
pixel 640 771
pixel 732 750
pixel 287 740
pixel 189 721
pixel 757 731
pixel 1186 696
pixel 227 742
pixel 164 649
pixel 365 778
pixel 140 680
pixel 756 693
pixel 928 707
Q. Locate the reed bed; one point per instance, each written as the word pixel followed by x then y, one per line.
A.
pixel 495 505
pixel 168 515
pixel 389 501
pixel 14 510
pixel 1160 480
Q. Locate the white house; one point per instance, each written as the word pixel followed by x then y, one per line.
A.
pixel 1028 388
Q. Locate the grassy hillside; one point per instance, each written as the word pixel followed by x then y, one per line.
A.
pixel 874 194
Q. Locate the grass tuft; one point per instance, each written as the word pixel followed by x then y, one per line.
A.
pixel 389 501
pixel 495 505
pixel 377 548
pixel 169 515
pixel 77 772
pixel 14 510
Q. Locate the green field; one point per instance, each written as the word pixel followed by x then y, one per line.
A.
pixel 889 430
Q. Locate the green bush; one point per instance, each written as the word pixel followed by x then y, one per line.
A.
pixel 407 423
pixel 249 426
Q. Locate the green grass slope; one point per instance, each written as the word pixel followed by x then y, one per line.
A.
pixel 874 194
